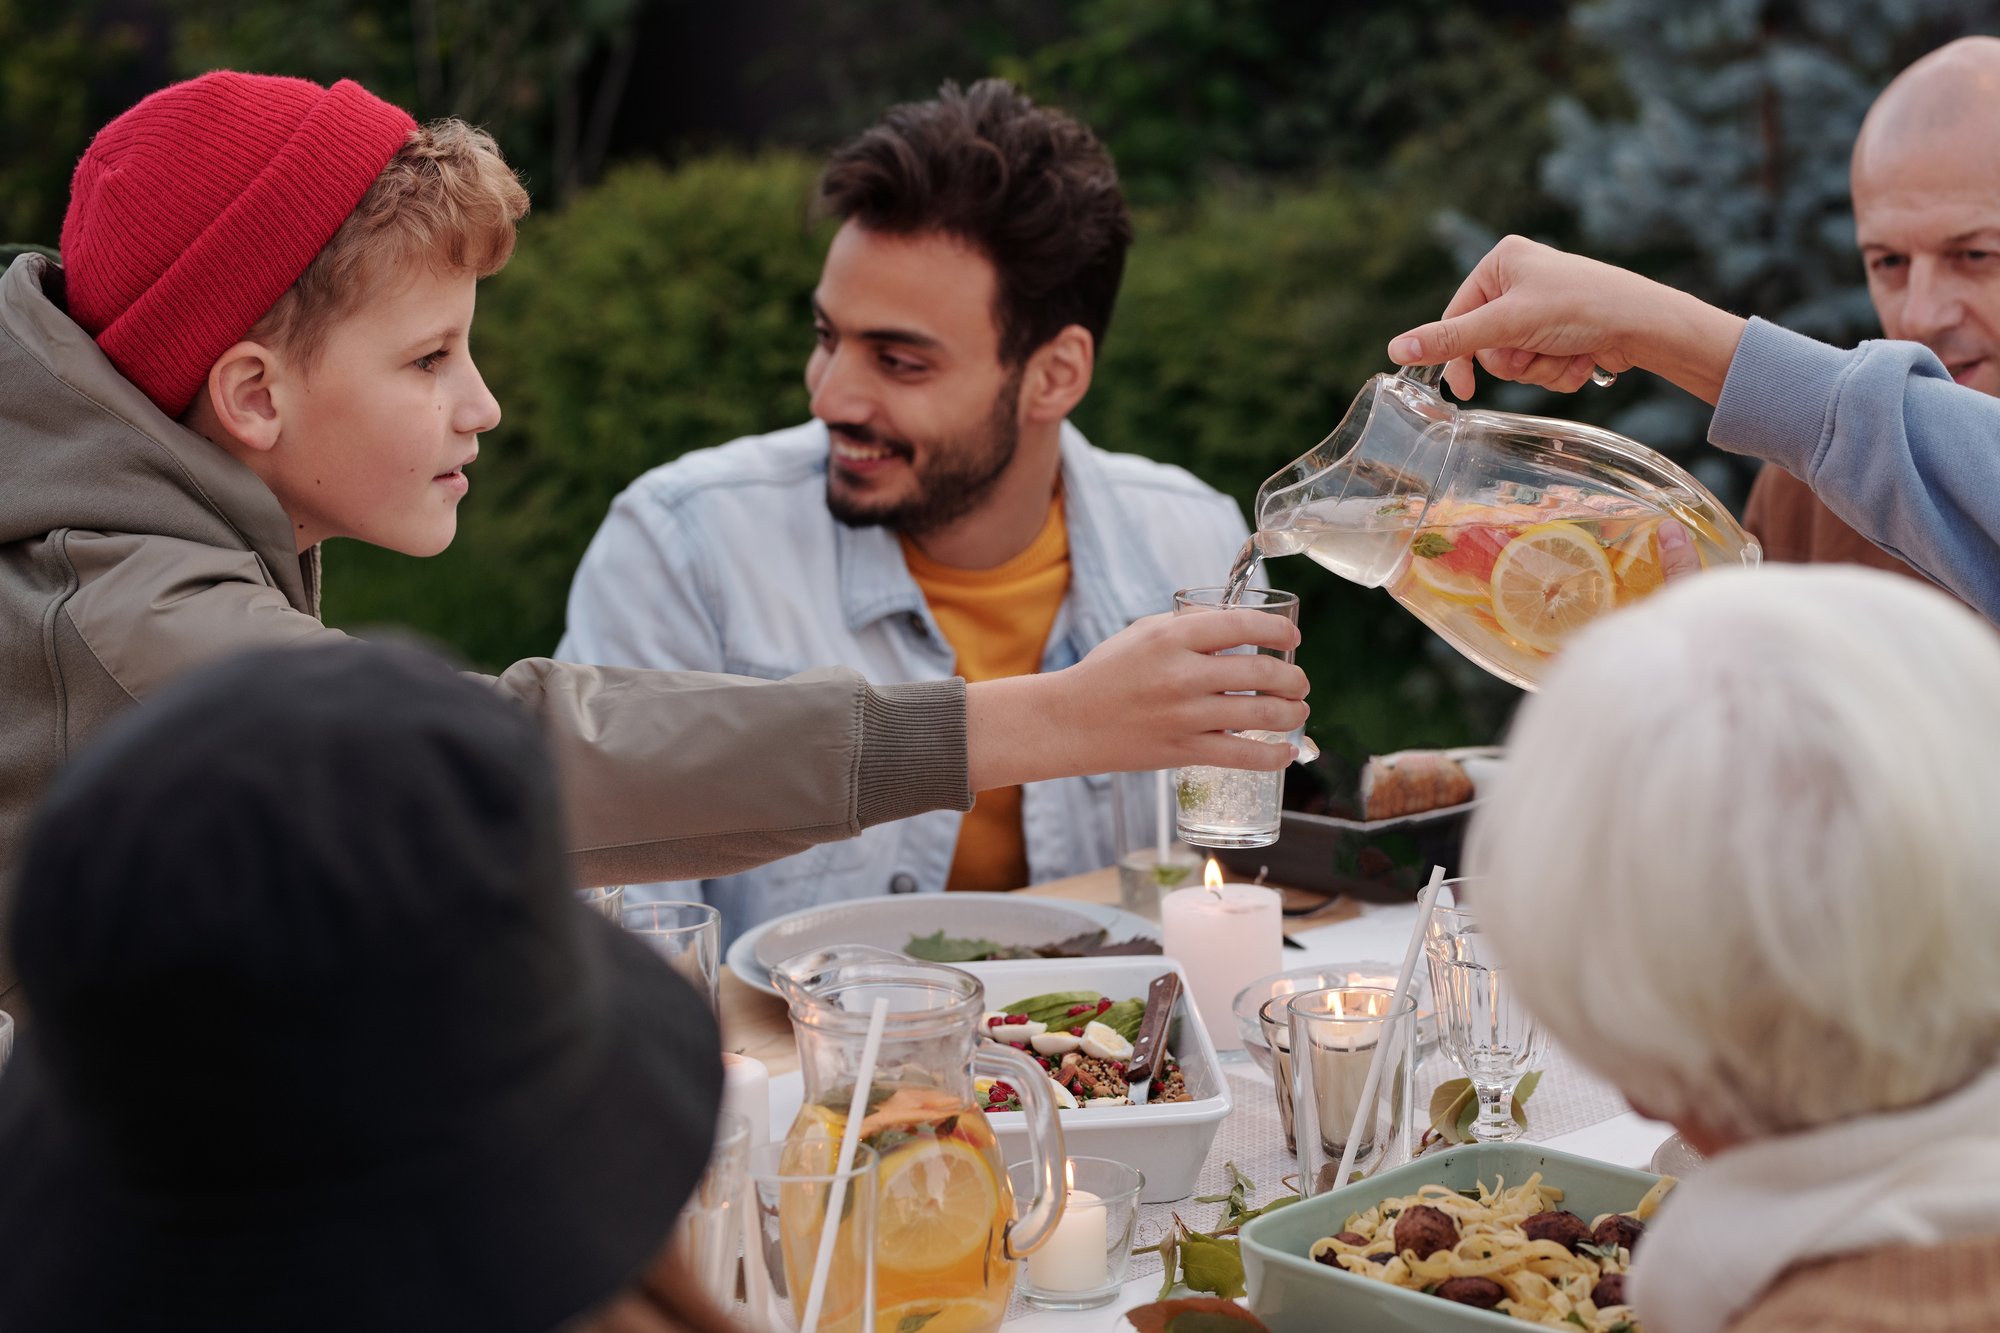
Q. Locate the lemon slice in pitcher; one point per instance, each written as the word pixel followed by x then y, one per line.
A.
pixel 1549 582
pixel 936 1205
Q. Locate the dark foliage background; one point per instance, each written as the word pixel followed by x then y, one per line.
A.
pixel 1310 179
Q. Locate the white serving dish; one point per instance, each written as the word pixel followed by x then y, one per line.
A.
pixel 1167 1143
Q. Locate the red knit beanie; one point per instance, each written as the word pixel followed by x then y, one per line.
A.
pixel 191 214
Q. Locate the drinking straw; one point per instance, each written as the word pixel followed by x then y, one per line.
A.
pixel 1163 826
pixel 836 1199
pixel 1425 901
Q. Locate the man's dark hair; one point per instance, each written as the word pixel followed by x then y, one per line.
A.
pixel 1029 187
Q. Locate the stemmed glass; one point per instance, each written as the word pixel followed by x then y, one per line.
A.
pixel 1482 1024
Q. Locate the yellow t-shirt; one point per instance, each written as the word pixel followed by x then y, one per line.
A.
pixel 997 622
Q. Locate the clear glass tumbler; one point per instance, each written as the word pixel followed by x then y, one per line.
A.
pixel 1482 1024
pixel 794 1189
pixel 688 936
pixel 1233 807
pixel 1150 865
pixel 607 900
pixel 709 1233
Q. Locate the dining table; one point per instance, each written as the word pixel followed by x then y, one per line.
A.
pixel 1571 1109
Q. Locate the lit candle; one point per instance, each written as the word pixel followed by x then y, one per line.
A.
pixel 1225 936
pixel 1340 1058
pixel 1076 1256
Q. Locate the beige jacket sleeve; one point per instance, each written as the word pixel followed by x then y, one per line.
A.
pixel 666 775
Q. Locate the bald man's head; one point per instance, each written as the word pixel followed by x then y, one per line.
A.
pixel 1925 178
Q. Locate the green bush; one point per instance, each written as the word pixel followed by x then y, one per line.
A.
pixel 667 311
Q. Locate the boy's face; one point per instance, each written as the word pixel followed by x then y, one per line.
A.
pixel 906 373
pixel 375 437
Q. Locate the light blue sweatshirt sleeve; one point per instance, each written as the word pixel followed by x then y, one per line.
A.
pixel 1888 442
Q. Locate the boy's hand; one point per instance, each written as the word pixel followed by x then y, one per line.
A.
pixel 1155 695
pixel 1535 314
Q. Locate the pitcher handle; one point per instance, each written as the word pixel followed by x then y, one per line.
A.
pixel 1037 1222
pixel 1428 376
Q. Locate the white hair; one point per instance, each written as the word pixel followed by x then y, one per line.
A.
pixel 1745 857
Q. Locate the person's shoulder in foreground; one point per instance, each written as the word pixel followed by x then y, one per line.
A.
pixel 1827 729
pixel 315 1004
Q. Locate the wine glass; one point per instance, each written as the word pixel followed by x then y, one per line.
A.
pixel 1482 1024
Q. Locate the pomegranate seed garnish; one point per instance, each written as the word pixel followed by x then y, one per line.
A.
pixel 1103 1004
pixel 1076 1032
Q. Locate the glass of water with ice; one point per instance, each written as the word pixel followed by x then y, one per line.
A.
pixel 1231 807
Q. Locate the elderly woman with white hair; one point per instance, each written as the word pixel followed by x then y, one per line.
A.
pixel 1745 864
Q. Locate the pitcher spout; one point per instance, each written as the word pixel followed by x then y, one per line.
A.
pixel 1353 501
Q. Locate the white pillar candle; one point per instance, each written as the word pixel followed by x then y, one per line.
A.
pixel 1225 938
pixel 1339 1073
pixel 1075 1256
pixel 746 1090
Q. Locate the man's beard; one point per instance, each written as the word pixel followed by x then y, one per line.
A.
pixel 954 479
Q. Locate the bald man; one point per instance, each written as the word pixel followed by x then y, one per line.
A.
pixel 1925 181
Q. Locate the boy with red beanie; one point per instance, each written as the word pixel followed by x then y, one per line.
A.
pixel 258 339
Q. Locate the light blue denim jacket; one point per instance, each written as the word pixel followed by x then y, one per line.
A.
pixel 1907 458
pixel 727 560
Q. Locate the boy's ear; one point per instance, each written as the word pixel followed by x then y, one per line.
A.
pixel 241 394
pixel 1058 375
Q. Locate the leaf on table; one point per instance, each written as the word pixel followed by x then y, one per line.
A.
pixel 1451 1097
pixel 1194 1314
pixel 1522 1091
pixel 1212 1264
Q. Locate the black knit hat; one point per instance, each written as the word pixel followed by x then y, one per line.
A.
pixel 320 1038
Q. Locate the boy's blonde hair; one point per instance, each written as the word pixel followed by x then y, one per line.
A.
pixel 447 199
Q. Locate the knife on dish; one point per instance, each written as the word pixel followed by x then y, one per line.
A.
pixel 1149 1048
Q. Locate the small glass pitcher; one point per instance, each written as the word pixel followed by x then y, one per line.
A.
pixel 946 1225
pixel 1504 533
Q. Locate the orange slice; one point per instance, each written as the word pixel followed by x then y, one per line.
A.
pixel 937 1205
pixel 1635 562
pixel 1549 582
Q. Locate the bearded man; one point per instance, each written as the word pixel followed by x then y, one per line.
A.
pixel 939 516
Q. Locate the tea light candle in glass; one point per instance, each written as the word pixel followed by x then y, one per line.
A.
pixel 1334 1033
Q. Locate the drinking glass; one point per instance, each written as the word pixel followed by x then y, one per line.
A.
pixel 688 936
pixel 1232 807
pixel 1482 1024
pixel 1141 805
pixel 1334 1034
pixel 607 901
pixel 710 1230
pixel 793 1187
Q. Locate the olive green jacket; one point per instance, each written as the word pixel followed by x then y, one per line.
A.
pixel 132 549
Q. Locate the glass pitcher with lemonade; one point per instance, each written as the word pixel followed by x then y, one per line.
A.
pixel 1504 533
pixel 946 1227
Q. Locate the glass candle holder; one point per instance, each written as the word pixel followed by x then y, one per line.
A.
pixel 1083 1263
pixel 1334 1036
